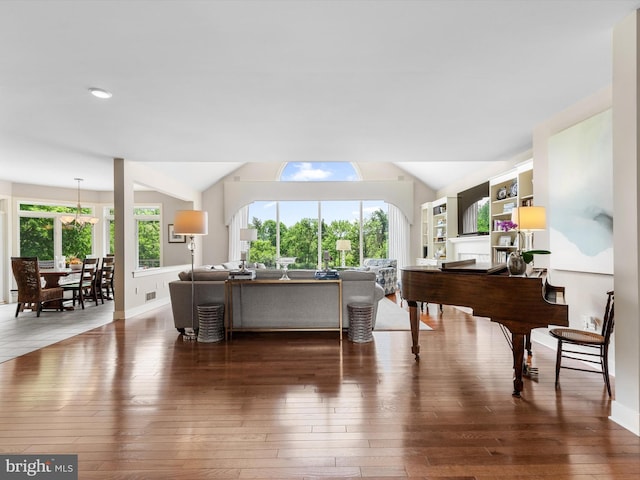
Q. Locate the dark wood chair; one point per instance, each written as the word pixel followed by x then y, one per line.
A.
pixel 31 293
pixel 583 342
pixel 105 280
pixel 85 288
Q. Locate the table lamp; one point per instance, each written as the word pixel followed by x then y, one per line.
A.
pixel 529 220
pixel 191 223
pixel 247 235
pixel 343 246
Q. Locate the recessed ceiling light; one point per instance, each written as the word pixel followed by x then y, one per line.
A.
pixel 100 93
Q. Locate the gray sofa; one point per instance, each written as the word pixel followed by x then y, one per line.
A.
pixel 282 305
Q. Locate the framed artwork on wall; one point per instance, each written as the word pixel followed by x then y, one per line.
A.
pixel 173 238
pixel 580 214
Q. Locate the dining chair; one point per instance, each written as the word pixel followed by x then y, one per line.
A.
pixel 583 342
pixel 105 281
pixel 85 287
pixel 31 293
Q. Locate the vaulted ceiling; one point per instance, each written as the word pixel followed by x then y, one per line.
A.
pixel 201 87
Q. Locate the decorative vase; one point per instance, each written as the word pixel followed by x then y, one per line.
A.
pixel 516 264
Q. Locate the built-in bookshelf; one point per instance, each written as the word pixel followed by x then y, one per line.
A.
pixel 424 229
pixel 439 224
pixel 508 191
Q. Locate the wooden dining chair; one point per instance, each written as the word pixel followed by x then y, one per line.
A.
pixel 105 281
pixel 85 287
pixel 584 342
pixel 31 293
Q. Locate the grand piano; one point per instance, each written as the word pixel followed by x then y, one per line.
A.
pixel 518 303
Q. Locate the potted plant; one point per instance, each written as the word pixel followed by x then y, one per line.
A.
pixel 517 261
pixel 75 263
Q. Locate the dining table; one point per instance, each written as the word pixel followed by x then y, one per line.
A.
pixel 52 278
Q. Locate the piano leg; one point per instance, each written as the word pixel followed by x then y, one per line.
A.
pixel 414 319
pixel 528 370
pixel 518 340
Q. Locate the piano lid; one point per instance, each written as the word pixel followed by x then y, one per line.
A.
pixel 471 266
pixel 465 266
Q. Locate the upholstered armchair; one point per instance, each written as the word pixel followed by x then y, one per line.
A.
pixel 386 271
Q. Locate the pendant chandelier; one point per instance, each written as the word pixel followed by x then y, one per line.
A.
pixel 78 220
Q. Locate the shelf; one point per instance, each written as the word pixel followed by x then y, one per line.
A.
pixel 440 220
pixel 505 200
pixel 522 178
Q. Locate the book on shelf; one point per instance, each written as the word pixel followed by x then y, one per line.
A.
pixel 508 207
pixel 500 256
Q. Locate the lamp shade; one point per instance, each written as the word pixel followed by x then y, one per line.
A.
pixel 191 222
pixel 248 234
pixel 530 218
pixel 343 245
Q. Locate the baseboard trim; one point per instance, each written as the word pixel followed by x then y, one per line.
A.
pixel 625 417
pixel 139 310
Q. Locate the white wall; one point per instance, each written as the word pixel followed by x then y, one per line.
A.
pixel 131 286
pixel 585 292
pixel 625 410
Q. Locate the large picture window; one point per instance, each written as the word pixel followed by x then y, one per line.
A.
pixel 297 233
pixel 43 235
pixel 305 229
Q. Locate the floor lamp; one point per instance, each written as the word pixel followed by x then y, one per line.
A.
pixel 191 223
pixel 343 246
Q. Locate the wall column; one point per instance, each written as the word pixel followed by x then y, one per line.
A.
pixel 625 410
pixel 125 235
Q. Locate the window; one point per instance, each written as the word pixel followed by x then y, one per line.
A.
pixel 304 229
pixel 148 236
pixel 299 238
pixel 43 235
pixel 319 172
pixel 375 229
pixel 264 249
pixel 341 221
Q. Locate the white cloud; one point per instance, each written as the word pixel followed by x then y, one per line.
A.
pixel 366 211
pixel 305 173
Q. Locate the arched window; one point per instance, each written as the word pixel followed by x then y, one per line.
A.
pixel 319 172
pixel 307 229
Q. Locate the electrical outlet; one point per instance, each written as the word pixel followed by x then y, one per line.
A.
pixel 593 323
pixel 586 321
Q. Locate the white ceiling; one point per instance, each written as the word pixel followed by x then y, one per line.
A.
pixel 203 86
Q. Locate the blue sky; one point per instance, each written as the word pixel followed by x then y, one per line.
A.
pixel 319 172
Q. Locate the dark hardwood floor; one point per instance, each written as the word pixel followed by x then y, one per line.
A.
pixel 134 401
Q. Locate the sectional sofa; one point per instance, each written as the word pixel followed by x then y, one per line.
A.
pixel 277 305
